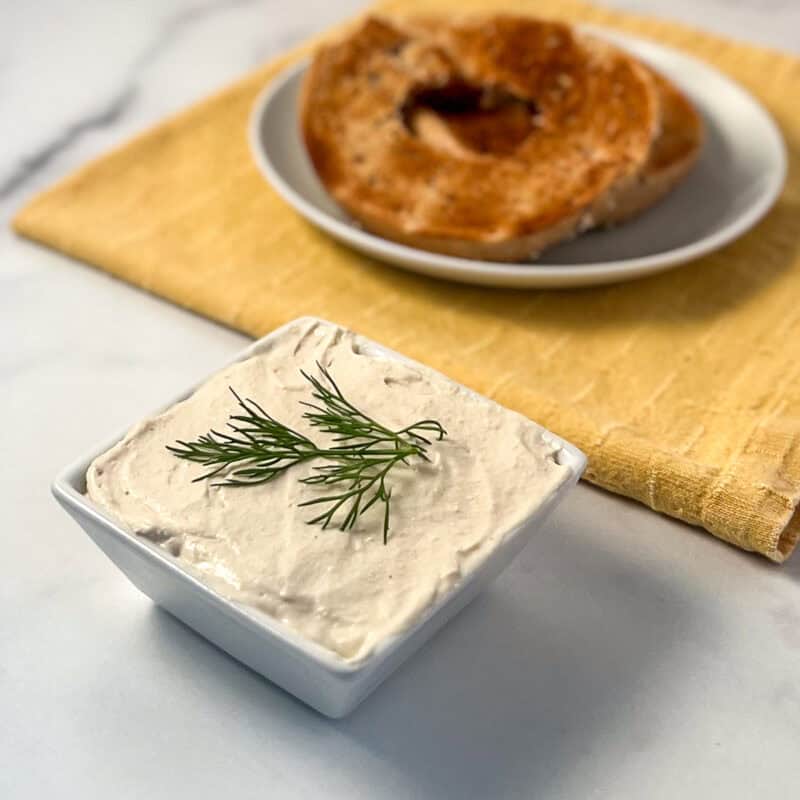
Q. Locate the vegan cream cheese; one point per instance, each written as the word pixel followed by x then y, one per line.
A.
pixel 344 590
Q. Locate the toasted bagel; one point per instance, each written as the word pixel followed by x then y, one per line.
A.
pixel 673 153
pixel 490 137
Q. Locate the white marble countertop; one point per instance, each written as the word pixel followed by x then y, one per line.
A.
pixel 624 655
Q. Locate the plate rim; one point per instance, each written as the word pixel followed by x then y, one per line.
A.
pixel 519 274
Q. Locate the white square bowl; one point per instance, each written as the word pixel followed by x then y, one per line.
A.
pixel 307 670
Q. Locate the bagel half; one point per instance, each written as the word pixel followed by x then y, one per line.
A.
pixel 487 137
pixel 674 152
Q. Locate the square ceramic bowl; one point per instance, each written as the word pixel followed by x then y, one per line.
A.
pixel 307 670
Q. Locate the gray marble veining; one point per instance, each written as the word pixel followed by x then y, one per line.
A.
pixel 623 656
pixel 111 111
pixel 38 160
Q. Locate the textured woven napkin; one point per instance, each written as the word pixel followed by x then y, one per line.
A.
pixel 684 389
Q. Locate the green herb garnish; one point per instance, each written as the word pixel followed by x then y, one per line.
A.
pixel 361 455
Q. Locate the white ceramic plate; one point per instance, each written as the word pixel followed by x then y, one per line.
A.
pixel 737 179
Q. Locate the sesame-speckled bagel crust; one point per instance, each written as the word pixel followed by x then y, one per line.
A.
pixel 483 137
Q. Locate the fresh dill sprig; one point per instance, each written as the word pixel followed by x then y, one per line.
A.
pixel 360 458
pixel 259 449
pixel 338 416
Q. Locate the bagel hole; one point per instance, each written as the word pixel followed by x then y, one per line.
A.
pixel 460 115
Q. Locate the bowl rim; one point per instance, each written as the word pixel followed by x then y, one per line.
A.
pixel 69 484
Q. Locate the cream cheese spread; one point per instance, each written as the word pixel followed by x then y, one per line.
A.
pixel 346 591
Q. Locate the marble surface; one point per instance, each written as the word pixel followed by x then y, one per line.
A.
pixel 624 655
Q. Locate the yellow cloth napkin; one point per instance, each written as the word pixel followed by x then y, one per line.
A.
pixel 684 389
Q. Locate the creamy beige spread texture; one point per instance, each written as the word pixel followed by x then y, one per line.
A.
pixel 346 591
